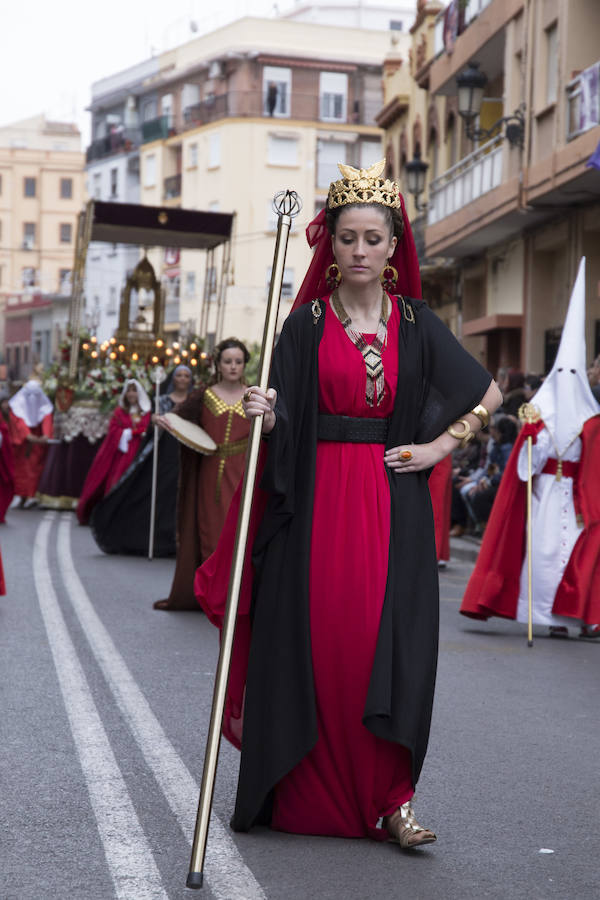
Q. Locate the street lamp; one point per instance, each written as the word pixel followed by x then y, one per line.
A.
pixel 471 84
pixel 416 170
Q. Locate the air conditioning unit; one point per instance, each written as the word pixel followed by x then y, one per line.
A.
pixel 216 69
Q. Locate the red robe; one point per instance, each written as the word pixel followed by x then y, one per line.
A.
pixel 7 470
pixel 110 463
pixel 493 589
pixel 440 488
pixel 29 458
pixel 2 581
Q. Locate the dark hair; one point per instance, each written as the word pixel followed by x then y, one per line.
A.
pixel 507 430
pixel 228 344
pixel 516 379
pixel 534 382
pixel 393 217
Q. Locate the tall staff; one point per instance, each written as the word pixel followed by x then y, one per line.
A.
pixel 158 376
pixel 286 204
pixel 529 414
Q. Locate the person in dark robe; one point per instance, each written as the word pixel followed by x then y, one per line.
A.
pixel 30 426
pixel 7 465
pixel 208 483
pixel 127 427
pixel 331 686
pixel 120 522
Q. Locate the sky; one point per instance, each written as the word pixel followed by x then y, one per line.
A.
pixel 52 50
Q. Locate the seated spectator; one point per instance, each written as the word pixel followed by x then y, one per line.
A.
pixel 465 461
pixel 479 494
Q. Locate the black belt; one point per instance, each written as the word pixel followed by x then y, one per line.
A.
pixel 352 430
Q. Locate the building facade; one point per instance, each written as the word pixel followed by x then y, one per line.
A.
pixel 514 209
pixel 41 194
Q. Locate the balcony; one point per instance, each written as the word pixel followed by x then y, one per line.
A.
pixel 583 102
pixel 172 187
pixel 309 107
pixel 156 129
pixel 121 141
pixel 446 31
pixel 473 176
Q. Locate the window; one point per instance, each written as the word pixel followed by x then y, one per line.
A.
pixel 329 154
pixel 190 284
pixel 149 110
pixel 166 107
pixel 282 150
pixel 396 25
pixel 97 185
pixel 333 95
pixel 28 277
pixel 190 95
pixel 277 89
pixel 150 170
pixel 211 282
pixel 193 156
pixel 287 284
pixel 29 185
pixel 114 183
pixel 214 150
pixel 28 235
pixel 214 205
pixel 111 309
pixel 64 281
pixel 65 232
pixel 66 188
pixel 551 63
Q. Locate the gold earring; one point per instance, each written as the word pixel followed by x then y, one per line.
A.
pixel 388 277
pixel 333 276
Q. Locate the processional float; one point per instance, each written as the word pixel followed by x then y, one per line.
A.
pixel 286 204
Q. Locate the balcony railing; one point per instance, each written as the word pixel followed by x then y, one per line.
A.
pixel 156 129
pixel 583 101
pixel 117 142
pixel 172 187
pixel 297 106
pixel 476 174
pixel 472 9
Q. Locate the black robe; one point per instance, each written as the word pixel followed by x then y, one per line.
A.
pixel 438 382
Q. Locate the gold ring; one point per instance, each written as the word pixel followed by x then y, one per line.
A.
pixel 247 396
pixel 406 454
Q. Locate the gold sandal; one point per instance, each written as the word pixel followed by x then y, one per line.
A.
pixel 404 829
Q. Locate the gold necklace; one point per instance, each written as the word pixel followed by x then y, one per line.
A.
pixel 371 353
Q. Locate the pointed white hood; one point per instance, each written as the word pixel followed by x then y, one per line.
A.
pixel 565 399
pixel 31 404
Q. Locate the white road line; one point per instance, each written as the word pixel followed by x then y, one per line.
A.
pixel 130 861
pixel 225 871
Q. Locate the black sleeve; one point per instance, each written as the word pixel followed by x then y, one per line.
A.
pixel 454 381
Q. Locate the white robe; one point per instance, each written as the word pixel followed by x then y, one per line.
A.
pixel 555 530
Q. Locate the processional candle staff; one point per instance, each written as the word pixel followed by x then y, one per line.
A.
pixel 529 414
pixel 286 204
pixel 158 375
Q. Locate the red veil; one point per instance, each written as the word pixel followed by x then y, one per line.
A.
pixel 404 259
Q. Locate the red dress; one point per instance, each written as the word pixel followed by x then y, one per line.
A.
pixel 7 470
pixel 350 778
pixel 110 462
pixel 29 458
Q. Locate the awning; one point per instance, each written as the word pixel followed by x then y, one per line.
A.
pixel 158 226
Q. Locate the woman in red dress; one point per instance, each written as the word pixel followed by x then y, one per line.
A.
pixel 125 431
pixel 334 660
pixel 7 466
pixel 30 427
pixel 207 483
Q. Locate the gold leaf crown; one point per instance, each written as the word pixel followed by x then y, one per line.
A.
pixel 363 186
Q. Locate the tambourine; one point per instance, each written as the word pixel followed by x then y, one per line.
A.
pixel 191 435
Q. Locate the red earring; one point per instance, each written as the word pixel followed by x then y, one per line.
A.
pixel 389 277
pixel 333 276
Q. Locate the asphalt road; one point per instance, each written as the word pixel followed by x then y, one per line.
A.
pixel 104 714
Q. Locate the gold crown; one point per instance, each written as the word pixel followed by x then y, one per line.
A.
pixel 363 186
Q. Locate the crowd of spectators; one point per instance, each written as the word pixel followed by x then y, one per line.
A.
pixel 478 467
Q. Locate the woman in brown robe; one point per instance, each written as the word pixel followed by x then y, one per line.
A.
pixel 207 483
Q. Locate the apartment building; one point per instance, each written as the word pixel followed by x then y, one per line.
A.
pixel 41 193
pixel 512 203
pixel 225 122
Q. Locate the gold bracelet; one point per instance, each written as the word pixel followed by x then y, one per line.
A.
pixel 463 436
pixel 482 414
